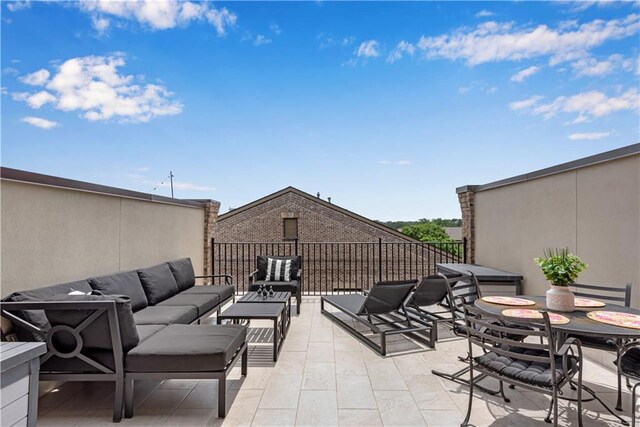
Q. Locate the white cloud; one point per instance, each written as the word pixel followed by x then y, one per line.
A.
pixel 479 86
pixel 100 24
pixel 37 78
pixel 4 90
pixel 591 67
pixel 261 40
pixel 484 14
pixel 368 49
pixel 492 41
pixel 10 71
pixel 275 29
pixel 521 75
pixel 587 105
pixel 330 41
pixel 93 86
pixel 158 14
pixel 402 48
pixel 14 6
pixel 395 162
pixel 588 136
pixel 39 122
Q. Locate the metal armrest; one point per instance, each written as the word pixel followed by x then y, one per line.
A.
pixel 625 348
pixel 227 277
pixel 567 350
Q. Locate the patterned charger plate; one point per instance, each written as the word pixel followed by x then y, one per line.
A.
pixel 625 320
pixel 508 300
pixel 554 318
pixel 587 303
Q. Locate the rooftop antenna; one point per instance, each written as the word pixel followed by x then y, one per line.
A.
pixel 171 177
pixel 318 195
pixel 329 199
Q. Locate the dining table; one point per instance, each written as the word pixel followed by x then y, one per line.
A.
pixel 579 323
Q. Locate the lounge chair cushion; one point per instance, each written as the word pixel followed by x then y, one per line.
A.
pixel 166 315
pixel 182 270
pixel 535 373
pixel 38 317
pixel 187 348
pixel 202 302
pixel 125 283
pixel 223 291
pixel 262 261
pixel 350 303
pixel 158 283
pixel 291 286
pixel 95 335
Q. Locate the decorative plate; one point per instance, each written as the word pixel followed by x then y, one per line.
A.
pixel 554 318
pixel 625 320
pixel 508 301
pixel 587 303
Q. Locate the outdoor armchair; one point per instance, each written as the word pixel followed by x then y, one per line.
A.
pixel 260 277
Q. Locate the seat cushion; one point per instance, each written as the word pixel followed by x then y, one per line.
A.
pixel 202 302
pixel 166 315
pixel 145 331
pixel 187 348
pixel 125 283
pixel 291 286
pixel 630 362
pixel 158 283
pixel 223 291
pixel 182 270
pixel 534 373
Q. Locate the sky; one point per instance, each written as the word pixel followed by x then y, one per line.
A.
pixel 386 107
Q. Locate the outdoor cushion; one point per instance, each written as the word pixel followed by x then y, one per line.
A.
pixel 165 315
pixel 535 373
pixel 38 317
pixel 278 270
pixel 125 283
pixel 223 291
pixel 145 331
pixel 96 335
pixel 262 262
pixel 596 342
pixel 202 302
pixel 350 303
pixel 182 270
pixel 630 362
pixel 187 348
pixel 158 283
pixel 291 286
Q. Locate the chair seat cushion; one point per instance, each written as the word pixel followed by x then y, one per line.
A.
pixel 187 348
pixel 166 315
pixel 223 291
pixel 202 302
pixel 349 303
pixel 534 373
pixel 601 343
pixel 630 362
pixel 145 331
pixel 290 286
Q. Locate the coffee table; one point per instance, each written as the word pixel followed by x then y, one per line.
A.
pixel 277 297
pixel 264 310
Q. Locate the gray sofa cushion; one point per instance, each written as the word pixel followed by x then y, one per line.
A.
pixel 38 317
pixel 223 291
pixel 125 283
pixel 187 348
pixel 202 302
pixel 291 286
pixel 145 331
pixel 158 283
pixel 182 270
pixel 96 335
pixel 166 315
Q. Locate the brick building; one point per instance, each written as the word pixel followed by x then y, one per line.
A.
pixel 341 250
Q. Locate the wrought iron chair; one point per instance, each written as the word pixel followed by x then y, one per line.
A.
pixel 534 365
pixel 608 295
pixel 629 365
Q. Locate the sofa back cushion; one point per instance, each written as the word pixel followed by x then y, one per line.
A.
pixel 125 283
pixel 182 270
pixel 262 262
pixel 38 317
pixel 96 336
pixel 158 283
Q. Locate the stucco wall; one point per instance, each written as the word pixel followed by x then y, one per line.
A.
pixel 593 210
pixel 51 235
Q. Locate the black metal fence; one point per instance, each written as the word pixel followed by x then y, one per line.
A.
pixel 339 267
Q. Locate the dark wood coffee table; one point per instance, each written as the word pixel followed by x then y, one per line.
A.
pixel 274 311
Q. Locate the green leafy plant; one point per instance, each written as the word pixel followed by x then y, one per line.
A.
pixel 560 267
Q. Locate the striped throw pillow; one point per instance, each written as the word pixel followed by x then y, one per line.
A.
pixel 278 270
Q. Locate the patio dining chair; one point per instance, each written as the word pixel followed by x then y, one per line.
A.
pixel 629 365
pixel 608 295
pixel 381 310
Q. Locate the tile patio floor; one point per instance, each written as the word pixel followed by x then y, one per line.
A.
pixel 325 377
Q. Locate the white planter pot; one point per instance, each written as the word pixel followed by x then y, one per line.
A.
pixel 560 298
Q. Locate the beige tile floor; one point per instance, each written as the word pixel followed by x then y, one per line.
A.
pixel 325 377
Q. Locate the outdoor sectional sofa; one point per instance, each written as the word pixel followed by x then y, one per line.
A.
pixel 140 324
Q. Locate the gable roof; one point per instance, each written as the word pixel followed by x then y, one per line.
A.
pixel 322 203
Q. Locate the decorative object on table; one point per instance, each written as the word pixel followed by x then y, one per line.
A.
pixel 561 268
pixel 508 300
pixel 271 293
pixel 554 318
pixel 616 318
pixel 581 302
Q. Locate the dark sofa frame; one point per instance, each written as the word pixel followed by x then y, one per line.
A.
pixel 254 274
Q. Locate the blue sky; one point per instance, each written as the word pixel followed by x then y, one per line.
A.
pixel 385 107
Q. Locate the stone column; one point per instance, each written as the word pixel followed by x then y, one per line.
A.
pixel 466 197
pixel 211 209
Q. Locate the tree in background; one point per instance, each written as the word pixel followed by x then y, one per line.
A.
pixel 427 231
pixel 443 222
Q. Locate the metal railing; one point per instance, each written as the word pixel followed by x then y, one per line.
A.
pixel 338 267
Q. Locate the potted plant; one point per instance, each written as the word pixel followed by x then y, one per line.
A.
pixel 561 268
